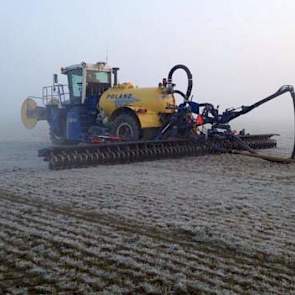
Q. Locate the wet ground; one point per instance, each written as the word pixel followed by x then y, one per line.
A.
pixel 221 224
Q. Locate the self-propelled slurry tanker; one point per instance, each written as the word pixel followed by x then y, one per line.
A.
pixel 94 120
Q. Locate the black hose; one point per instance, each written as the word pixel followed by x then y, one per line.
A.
pixel 189 80
pixel 228 116
pixel 281 91
pixel 180 93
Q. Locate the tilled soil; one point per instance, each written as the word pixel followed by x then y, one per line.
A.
pixel 221 224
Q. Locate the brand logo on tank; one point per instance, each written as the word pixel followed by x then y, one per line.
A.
pixel 122 99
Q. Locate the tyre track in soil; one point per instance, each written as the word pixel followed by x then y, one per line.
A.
pixel 278 265
pixel 87 238
pixel 170 267
pixel 139 275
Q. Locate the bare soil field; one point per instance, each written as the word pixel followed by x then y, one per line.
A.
pixel 207 225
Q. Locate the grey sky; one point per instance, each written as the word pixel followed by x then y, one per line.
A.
pixel 237 50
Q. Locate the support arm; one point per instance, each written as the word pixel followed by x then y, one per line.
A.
pixel 229 115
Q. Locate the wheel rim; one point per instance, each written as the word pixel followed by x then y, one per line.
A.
pixel 125 130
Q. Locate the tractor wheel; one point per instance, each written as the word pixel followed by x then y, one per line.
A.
pixel 126 126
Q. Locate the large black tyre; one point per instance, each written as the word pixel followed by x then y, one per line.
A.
pixel 126 126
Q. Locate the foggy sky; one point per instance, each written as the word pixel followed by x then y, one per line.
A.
pixel 238 51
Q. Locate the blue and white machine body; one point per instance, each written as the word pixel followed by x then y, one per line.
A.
pixel 71 110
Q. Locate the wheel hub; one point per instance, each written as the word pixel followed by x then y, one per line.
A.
pixel 125 130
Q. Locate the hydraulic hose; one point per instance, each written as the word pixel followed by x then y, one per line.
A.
pixel 189 80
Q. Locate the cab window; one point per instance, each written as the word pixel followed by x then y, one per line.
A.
pixel 75 85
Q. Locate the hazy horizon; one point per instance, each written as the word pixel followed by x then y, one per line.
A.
pixel 238 52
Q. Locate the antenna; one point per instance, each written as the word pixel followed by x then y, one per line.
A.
pixel 107 55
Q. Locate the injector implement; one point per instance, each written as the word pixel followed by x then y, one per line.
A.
pixel 95 120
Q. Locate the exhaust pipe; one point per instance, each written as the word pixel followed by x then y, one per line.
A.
pixel 115 72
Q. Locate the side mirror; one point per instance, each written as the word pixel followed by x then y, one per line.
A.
pixel 55 78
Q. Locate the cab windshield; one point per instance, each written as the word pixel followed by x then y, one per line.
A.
pixel 97 82
pixel 98 77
